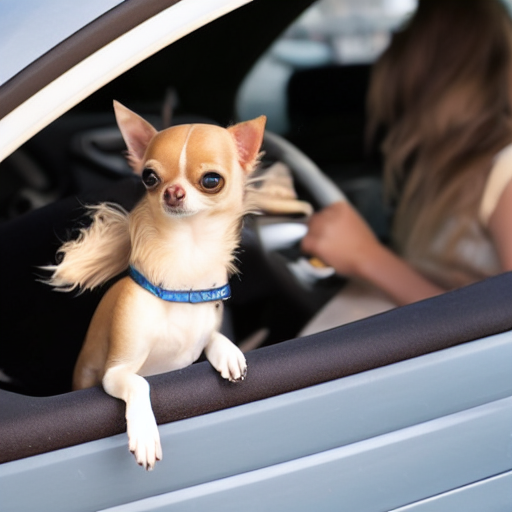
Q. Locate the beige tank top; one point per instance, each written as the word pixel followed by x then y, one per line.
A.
pixel 474 258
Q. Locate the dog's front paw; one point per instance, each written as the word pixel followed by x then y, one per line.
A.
pixel 234 368
pixel 226 358
pixel 232 365
pixel 144 440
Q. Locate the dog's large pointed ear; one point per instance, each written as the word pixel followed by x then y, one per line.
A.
pixel 136 132
pixel 248 137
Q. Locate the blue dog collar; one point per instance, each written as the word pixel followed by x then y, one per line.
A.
pixel 193 297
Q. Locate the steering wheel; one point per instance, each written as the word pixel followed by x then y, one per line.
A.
pixel 307 173
pixel 280 233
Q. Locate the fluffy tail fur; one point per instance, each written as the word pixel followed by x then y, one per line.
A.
pixel 100 252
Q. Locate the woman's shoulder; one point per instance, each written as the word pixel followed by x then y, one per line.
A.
pixel 499 178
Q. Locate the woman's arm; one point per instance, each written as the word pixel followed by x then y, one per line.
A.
pixel 341 238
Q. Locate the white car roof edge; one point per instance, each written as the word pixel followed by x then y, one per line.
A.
pixel 70 88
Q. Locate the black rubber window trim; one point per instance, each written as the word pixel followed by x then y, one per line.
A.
pixel 457 317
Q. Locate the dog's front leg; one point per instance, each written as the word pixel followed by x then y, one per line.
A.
pixel 143 436
pixel 226 358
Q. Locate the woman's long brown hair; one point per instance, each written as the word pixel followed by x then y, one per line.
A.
pixel 441 91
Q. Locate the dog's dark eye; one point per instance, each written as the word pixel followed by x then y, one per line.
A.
pixel 212 182
pixel 150 178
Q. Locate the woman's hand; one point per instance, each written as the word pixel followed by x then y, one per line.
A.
pixel 341 238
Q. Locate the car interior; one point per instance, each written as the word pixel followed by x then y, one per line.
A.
pixel 78 160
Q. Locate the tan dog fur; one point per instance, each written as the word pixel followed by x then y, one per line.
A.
pixel 180 236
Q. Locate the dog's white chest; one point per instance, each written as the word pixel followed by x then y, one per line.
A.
pixel 177 334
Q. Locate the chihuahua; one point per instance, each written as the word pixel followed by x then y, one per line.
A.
pixel 178 244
